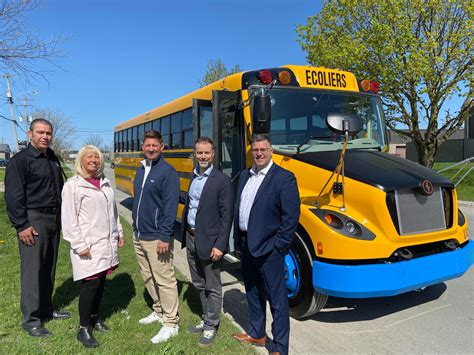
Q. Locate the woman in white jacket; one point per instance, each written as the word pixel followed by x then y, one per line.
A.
pixel 90 223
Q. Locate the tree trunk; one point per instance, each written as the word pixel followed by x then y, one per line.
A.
pixel 426 152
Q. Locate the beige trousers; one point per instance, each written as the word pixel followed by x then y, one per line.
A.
pixel 158 275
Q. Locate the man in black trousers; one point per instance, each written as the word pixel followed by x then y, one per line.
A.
pixel 33 184
pixel 206 222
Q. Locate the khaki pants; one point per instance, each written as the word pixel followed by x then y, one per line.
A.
pixel 158 275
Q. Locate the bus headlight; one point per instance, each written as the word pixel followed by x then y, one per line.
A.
pixel 343 224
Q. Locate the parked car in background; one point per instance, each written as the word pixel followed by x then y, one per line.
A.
pixel 3 162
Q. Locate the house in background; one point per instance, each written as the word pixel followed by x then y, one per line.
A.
pixel 71 155
pixel 397 144
pixel 457 148
pixel 5 152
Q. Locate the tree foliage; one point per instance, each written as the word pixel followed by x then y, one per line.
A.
pixel 20 48
pixel 421 52
pixel 63 129
pixel 216 70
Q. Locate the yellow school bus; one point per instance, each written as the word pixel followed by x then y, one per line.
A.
pixel 371 224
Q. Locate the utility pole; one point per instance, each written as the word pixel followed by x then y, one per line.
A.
pixel 26 118
pixel 12 112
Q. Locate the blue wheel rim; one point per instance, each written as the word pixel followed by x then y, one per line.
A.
pixel 292 274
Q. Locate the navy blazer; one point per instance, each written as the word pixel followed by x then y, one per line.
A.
pixel 213 217
pixel 275 212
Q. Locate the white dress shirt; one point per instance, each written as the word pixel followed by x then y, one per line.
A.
pixel 248 194
pixel 147 164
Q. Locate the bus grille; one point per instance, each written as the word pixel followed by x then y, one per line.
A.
pixel 414 213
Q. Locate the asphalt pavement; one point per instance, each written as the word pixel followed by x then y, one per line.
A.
pixel 438 319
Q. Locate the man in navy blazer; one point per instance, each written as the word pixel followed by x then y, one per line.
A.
pixel 265 220
pixel 206 224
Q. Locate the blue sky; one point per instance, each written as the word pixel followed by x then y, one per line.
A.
pixel 125 57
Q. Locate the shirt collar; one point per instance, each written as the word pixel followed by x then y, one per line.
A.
pixel 153 162
pixel 35 152
pixel 206 173
pixel 264 171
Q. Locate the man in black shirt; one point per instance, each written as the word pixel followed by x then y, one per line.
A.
pixel 33 184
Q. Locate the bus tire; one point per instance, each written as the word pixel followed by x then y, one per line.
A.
pixel 303 299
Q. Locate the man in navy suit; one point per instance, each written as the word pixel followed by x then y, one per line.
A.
pixel 206 223
pixel 265 220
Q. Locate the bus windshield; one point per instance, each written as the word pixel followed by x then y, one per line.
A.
pixel 298 120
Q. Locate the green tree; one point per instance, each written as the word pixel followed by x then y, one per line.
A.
pixel 421 52
pixel 216 70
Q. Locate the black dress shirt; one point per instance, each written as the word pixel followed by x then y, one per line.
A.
pixel 33 180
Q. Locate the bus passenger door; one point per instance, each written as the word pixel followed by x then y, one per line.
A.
pixel 222 120
pixel 202 119
pixel 228 132
pixel 229 138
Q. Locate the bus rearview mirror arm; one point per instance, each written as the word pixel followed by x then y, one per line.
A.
pixel 342 124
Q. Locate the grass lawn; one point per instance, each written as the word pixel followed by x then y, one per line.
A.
pixel 125 302
pixel 465 189
pixel 2 173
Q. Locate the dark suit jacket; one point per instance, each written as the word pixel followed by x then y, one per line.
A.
pixel 275 212
pixel 213 216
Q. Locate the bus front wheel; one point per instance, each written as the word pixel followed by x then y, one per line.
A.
pixel 303 299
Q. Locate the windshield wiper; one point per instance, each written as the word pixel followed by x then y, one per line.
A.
pixel 298 148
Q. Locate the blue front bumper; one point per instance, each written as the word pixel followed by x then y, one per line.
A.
pixel 376 280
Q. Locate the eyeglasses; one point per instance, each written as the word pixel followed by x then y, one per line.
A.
pixel 261 150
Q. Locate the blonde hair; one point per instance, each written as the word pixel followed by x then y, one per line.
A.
pixel 79 168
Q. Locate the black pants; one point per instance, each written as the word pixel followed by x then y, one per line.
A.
pixel 206 277
pixel 38 269
pixel 89 300
pixel 264 279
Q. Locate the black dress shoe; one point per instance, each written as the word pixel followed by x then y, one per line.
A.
pixel 40 332
pixel 59 315
pixel 84 335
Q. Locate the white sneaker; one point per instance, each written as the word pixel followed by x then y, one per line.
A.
pixel 152 317
pixel 165 333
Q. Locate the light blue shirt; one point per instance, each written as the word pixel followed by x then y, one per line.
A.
pixel 195 191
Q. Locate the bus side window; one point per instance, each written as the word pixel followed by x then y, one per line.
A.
pixel 165 131
pixel 121 143
pixel 156 125
pixel 175 138
pixel 187 128
pixel 129 140
pixel 134 139
pixel 140 135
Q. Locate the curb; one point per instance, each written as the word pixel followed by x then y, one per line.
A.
pixel 466 203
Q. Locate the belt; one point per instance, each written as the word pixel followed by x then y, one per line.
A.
pixel 47 210
pixel 192 232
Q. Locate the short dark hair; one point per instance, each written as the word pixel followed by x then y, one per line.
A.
pixel 261 138
pixel 39 120
pixel 205 140
pixel 153 135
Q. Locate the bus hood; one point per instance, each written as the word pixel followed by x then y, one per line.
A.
pixel 384 171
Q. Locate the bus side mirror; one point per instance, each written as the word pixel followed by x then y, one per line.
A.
pixel 261 113
pixel 344 122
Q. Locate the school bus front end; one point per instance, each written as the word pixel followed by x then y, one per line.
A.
pixel 391 236
pixel 383 226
